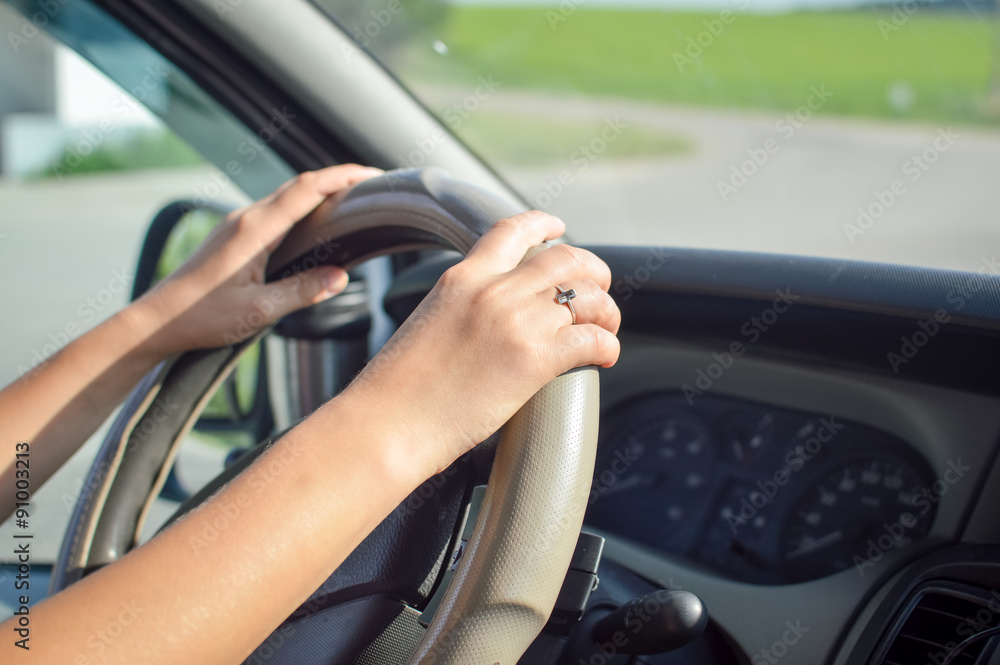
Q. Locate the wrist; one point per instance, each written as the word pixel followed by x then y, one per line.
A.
pixel 142 325
pixel 391 438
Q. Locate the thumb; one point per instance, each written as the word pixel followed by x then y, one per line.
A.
pixel 306 288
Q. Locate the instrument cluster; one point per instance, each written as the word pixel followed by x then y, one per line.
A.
pixel 757 493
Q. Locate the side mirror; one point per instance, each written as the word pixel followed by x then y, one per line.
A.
pixel 239 413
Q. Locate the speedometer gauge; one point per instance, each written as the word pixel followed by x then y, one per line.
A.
pixel 652 477
pixel 853 515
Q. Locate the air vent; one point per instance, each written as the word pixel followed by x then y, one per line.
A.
pixel 938 619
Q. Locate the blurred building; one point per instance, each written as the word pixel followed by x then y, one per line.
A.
pixel 27 75
pixel 50 98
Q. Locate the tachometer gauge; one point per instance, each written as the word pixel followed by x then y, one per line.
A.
pixel 649 480
pixel 748 434
pixel 853 515
pixel 741 535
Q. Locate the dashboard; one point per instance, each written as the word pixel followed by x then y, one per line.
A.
pixel 758 493
pixel 674 474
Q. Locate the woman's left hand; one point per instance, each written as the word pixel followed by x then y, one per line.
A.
pixel 219 297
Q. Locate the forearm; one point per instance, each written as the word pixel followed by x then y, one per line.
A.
pixel 58 405
pixel 291 519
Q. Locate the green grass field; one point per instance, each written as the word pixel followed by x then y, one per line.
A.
pixel 529 141
pixel 936 66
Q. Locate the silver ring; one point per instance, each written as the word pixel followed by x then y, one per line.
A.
pixel 566 298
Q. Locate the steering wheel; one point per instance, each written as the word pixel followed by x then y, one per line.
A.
pixel 506 582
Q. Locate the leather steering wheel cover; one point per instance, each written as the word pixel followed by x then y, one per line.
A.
pixel 526 533
pixel 514 565
pixel 416 208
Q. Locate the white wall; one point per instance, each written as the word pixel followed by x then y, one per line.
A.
pixel 85 96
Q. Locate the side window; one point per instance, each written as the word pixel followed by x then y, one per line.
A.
pixel 98 132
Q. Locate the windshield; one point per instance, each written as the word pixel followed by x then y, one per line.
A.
pixel 836 129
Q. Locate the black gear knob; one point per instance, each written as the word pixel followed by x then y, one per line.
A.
pixel 657 622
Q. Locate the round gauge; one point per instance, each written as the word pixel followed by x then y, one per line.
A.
pixel 853 515
pixel 748 433
pixel 649 481
pixel 740 535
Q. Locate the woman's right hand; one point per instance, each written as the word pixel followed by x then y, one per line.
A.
pixel 488 337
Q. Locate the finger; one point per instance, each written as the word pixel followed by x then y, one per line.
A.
pixel 503 246
pixel 591 304
pixel 260 203
pixel 300 196
pixel 303 289
pixel 587 344
pixel 563 263
pixel 239 212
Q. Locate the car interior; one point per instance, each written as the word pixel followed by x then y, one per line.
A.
pixel 795 458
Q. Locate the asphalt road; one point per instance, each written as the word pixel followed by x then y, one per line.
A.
pixel 799 196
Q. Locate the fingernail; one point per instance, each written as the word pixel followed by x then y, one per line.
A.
pixel 335 280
